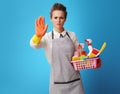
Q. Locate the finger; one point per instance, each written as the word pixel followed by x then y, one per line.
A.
pixel 41 21
pixel 45 29
pixel 37 30
pixel 37 23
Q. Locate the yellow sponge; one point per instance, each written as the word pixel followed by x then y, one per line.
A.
pixel 74 58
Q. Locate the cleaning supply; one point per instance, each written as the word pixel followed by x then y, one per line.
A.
pixel 87 61
pixel 102 48
pixel 93 52
pixel 78 52
pixel 91 63
pixel 76 56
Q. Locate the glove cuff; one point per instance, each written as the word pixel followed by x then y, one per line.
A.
pixel 36 39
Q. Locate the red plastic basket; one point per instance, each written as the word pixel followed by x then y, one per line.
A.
pixel 91 63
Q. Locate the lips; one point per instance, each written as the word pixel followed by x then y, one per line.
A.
pixel 58 24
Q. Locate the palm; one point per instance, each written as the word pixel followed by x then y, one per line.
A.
pixel 40 27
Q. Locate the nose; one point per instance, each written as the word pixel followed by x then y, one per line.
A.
pixel 58 20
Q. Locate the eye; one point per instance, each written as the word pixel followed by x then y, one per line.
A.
pixel 55 17
pixel 61 18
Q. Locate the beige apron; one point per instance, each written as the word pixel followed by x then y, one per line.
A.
pixel 64 79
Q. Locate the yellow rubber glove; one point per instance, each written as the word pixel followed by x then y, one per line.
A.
pixel 35 39
pixel 40 30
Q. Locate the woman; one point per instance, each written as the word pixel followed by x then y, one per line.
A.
pixel 59 45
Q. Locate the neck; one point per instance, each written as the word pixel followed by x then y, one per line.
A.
pixel 59 30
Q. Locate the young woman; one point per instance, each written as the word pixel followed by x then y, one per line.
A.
pixel 59 45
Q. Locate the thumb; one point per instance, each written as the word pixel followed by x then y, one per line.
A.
pixel 45 29
pixel 46 26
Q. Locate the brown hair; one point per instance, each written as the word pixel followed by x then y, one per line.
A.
pixel 58 6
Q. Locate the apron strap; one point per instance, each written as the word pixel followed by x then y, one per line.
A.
pixel 68 35
pixel 52 35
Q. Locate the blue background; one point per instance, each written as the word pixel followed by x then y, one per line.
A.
pixel 24 70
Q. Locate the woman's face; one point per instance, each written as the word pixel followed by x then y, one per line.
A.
pixel 58 19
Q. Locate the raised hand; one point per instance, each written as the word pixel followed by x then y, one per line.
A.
pixel 40 27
